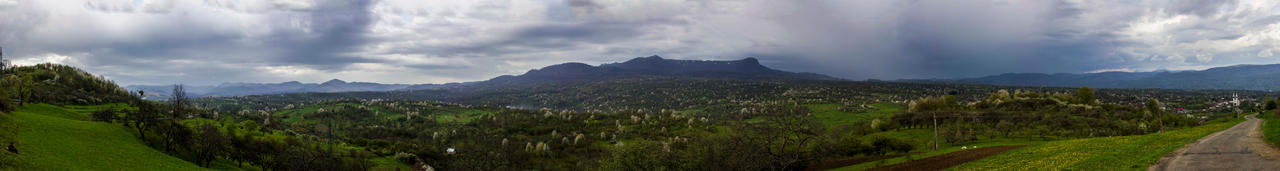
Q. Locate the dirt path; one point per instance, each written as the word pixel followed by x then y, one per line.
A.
pixel 1237 148
pixel 950 159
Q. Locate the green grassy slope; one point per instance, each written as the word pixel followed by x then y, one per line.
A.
pixel 1270 127
pixel 55 138
pixel 1110 153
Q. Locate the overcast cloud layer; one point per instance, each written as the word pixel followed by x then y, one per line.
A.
pixel 436 41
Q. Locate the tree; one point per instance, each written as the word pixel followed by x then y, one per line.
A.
pixel 885 144
pixel 1270 104
pixel 105 115
pixel 142 118
pixel 175 134
pixel 178 102
pixel 211 144
pixel 1153 106
pixel 5 104
pixel 1085 95
pixel 933 104
pixel 1006 127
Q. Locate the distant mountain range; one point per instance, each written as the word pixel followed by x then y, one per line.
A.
pixel 1238 77
pixel 745 69
pixel 237 89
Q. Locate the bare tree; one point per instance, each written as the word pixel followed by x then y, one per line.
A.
pixel 178 101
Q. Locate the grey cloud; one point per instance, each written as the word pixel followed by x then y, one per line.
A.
pixel 1202 8
pixel 550 36
pixel 109 6
pixel 337 28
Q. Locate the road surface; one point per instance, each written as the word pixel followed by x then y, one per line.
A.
pixel 1237 148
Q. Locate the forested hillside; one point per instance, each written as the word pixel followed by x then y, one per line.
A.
pixel 60 84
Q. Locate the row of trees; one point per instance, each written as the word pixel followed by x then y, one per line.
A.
pixel 1037 114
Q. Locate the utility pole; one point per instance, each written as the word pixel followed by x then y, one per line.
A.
pixel 3 63
pixel 935 131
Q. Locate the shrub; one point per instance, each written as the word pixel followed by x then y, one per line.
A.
pixel 105 115
pixel 405 157
pixel 885 144
pixel 849 146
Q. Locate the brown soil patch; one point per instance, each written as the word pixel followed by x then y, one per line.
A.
pixel 847 161
pixel 950 159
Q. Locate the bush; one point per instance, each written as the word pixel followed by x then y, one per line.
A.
pixel 105 115
pixel 6 104
pixel 1270 104
pixel 884 144
pixel 850 146
pixel 405 157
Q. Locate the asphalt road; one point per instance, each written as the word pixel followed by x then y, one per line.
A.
pixel 1237 148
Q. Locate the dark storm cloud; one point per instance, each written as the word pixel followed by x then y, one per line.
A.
pixel 548 36
pixel 949 39
pixel 964 42
pixel 322 37
pixel 337 28
pixel 214 41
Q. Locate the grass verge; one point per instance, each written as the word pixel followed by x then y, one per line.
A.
pixel 1270 127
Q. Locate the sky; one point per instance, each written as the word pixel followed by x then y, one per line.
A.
pixel 207 42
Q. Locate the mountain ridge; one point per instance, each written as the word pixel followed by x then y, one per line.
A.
pixel 743 69
pixel 569 72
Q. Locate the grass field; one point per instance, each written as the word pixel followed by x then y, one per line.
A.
pixel 55 138
pixel 1270 127
pixel 831 115
pixel 1110 153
